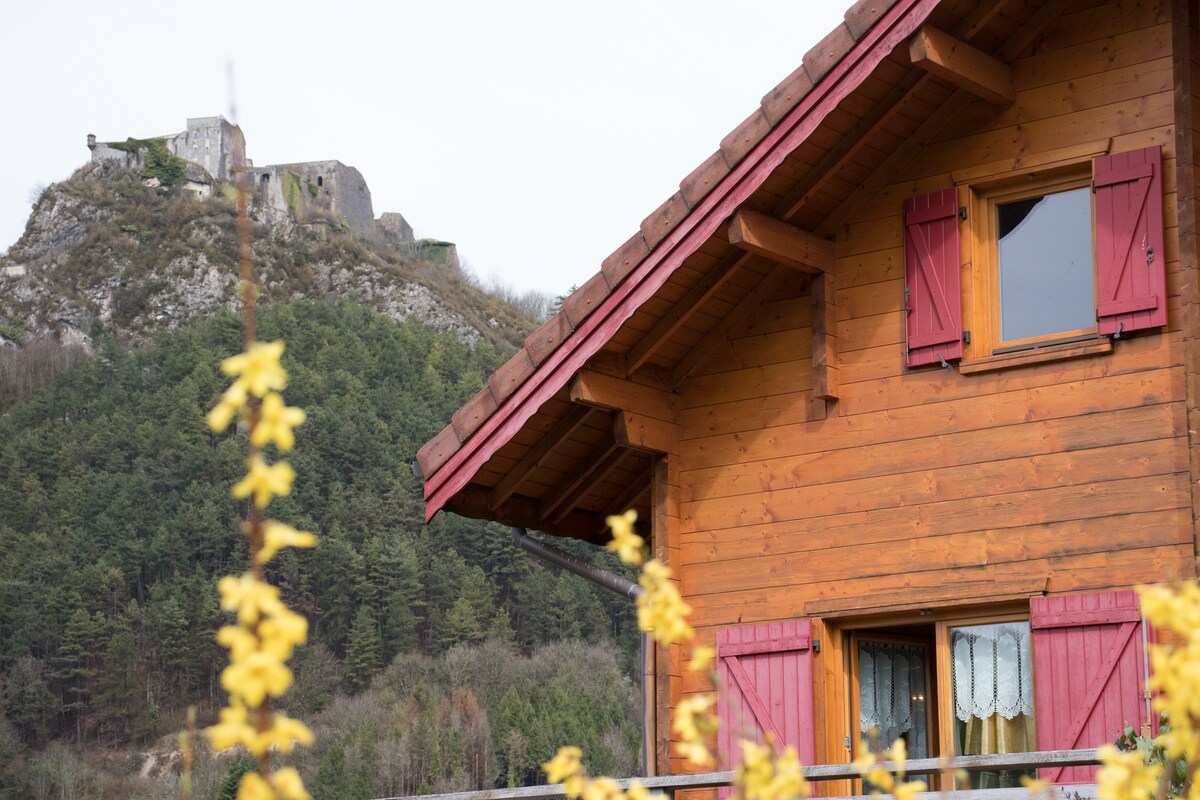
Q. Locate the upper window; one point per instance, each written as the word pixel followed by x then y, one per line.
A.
pixel 1034 277
pixel 1044 265
pixel 1044 260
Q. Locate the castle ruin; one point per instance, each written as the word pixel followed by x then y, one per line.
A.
pixel 313 193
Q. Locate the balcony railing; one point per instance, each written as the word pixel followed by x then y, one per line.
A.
pixel 669 784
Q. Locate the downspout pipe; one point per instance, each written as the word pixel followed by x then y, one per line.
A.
pixel 614 583
pixel 555 555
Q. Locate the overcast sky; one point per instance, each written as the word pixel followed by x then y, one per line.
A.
pixel 535 135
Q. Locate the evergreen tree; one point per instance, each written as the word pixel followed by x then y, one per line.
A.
pixel 363 659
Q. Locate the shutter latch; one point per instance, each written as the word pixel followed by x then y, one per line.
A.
pixel 1150 255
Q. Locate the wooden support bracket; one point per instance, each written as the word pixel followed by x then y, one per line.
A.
pixel 953 60
pixel 646 434
pixel 780 242
pixel 591 388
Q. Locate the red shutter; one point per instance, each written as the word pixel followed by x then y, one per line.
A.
pixel 933 300
pixel 766 686
pixel 1130 257
pixel 1088 673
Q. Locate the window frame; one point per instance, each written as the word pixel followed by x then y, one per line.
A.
pixel 981 304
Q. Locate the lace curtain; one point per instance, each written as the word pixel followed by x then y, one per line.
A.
pixel 991 671
pixel 891 694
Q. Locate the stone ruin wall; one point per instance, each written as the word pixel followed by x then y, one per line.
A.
pixel 313 192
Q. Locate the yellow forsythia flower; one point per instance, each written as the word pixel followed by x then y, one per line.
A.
pixel 764 777
pixel 566 763
pixel 287 782
pixel 627 544
pixel 661 609
pixel 231 402
pixel 250 598
pixel 265 482
pixel 692 721
pixel 702 658
pixel 907 789
pixel 275 423
pixel 1126 776
pixel 255 677
pixel 1037 787
pixel 277 536
pixel 258 368
pixel 254 787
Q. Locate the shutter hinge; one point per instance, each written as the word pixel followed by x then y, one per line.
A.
pixel 966 337
pixel 907 307
pixel 816 645
pixel 962 212
pixel 846 743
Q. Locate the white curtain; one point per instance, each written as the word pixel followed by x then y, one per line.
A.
pixel 891 694
pixel 991 671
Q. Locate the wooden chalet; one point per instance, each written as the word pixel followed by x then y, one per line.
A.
pixel 902 382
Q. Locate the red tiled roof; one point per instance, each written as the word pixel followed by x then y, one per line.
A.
pixel 633 272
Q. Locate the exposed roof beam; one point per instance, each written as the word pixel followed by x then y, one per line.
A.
pixel 737 316
pixel 523 512
pixel 953 60
pixel 636 491
pixel 1035 24
pixel 591 388
pixel 573 485
pixel 689 304
pixel 882 116
pixel 537 455
pixel 780 242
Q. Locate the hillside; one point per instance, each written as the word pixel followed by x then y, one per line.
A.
pixel 105 253
pixel 115 520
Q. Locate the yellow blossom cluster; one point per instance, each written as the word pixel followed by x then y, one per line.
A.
pixel 1175 671
pixel 661 609
pixel 870 766
pixel 765 774
pixel 567 768
pixel 1175 674
pixel 693 722
pixel 627 544
pixel 267 631
pixel 1126 776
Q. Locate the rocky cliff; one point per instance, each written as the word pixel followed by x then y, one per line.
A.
pixel 104 252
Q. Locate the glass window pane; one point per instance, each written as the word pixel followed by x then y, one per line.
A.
pixel 1044 248
pixel 892 702
pixel 993 695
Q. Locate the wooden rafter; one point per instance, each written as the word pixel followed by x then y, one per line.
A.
pixel 884 114
pixel 953 60
pixel 634 492
pixel 688 305
pixel 537 455
pixel 566 493
pixel 737 316
pixel 1034 26
pixel 780 242
pixel 524 512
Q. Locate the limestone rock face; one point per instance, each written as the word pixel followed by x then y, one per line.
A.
pixel 102 252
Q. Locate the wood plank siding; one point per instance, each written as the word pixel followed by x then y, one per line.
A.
pixel 1078 472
